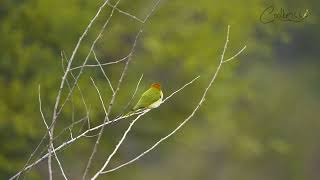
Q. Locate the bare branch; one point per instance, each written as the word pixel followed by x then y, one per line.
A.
pixel 47 127
pixel 50 136
pixel 55 114
pixel 40 108
pixel 60 166
pixel 187 119
pixel 106 119
pixel 104 124
pixel 118 145
pixel 66 143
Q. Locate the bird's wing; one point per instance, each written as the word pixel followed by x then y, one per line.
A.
pixel 147 98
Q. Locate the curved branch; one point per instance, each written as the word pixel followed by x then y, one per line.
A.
pixel 190 116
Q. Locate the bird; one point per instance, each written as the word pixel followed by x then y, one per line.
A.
pixel 150 99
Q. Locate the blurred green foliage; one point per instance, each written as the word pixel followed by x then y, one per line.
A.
pixel 260 121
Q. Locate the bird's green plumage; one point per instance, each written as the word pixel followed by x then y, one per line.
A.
pixel 149 97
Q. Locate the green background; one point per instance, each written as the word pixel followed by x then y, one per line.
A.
pixel 260 121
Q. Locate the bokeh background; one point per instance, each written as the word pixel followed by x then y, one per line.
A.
pixel 260 121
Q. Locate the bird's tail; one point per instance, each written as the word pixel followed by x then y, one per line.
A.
pixel 129 114
pixel 133 112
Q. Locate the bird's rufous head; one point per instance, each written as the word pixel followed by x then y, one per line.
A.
pixel 156 85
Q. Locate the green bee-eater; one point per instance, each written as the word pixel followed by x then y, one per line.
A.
pixel 152 98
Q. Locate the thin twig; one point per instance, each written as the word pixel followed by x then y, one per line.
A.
pixel 64 56
pixel 100 97
pixel 152 10
pixel 69 87
pixel 32 154
pixel 70 126
pixel 235 55
pixel 126 13
pixel 102 64
pixel 103 72
pixel 180 89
